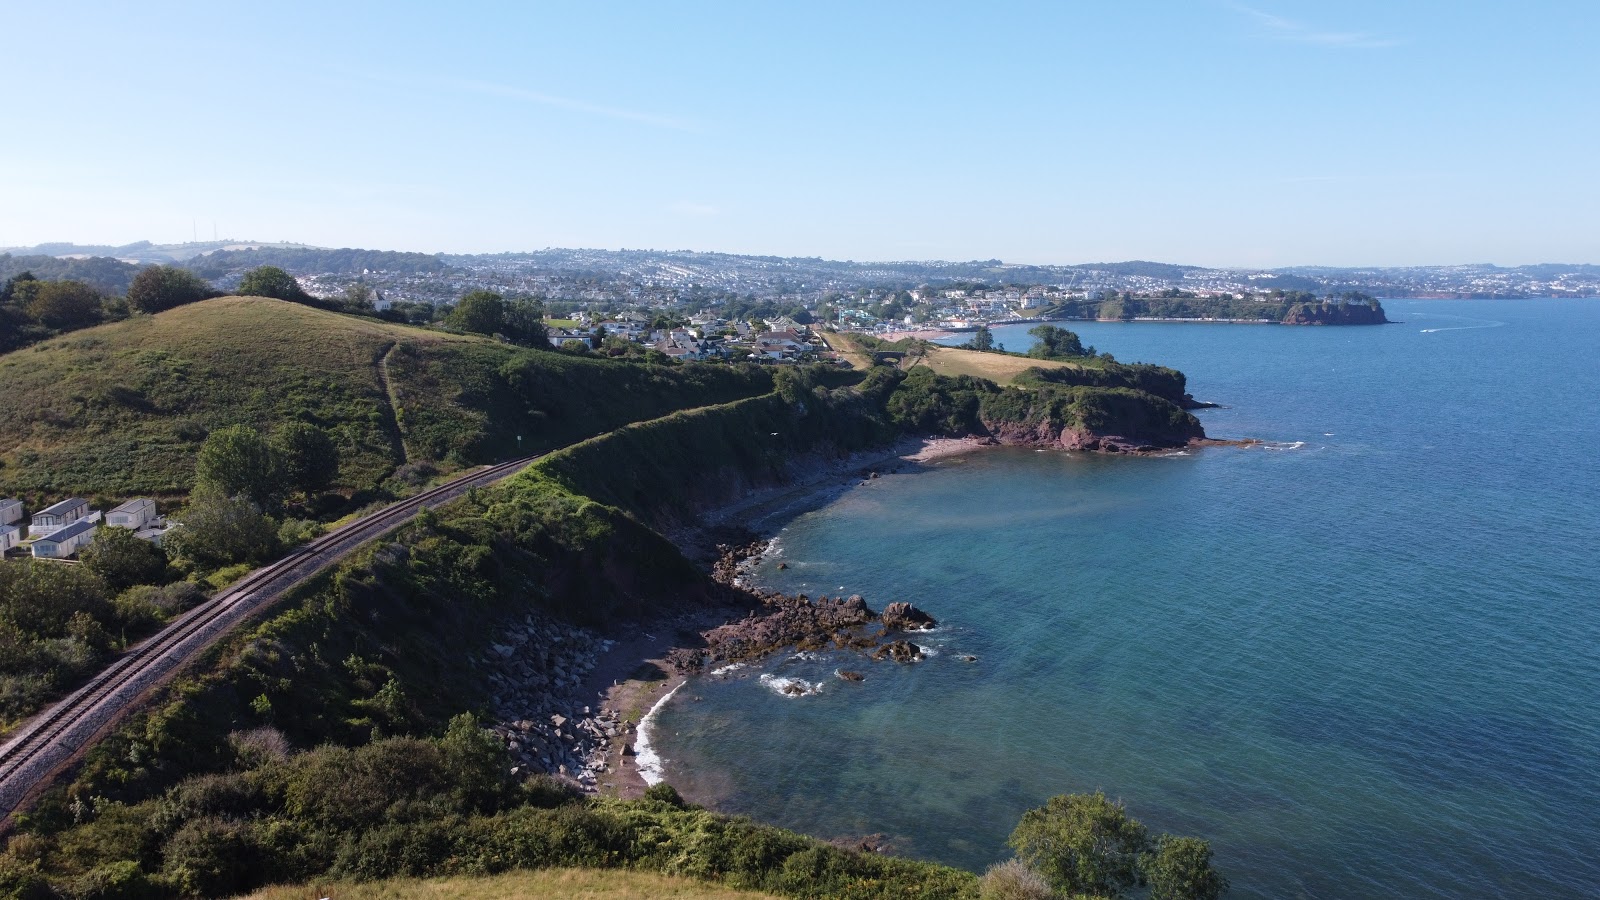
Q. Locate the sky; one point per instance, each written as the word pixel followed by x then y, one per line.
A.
pixel 1208 132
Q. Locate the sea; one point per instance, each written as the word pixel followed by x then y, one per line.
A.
pixel 1361 658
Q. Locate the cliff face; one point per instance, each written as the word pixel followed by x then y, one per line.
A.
pixel 1092 419
pixel 1335 314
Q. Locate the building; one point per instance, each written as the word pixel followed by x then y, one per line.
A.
pixel 64 542
pixel 58 516
pixel 10 511
pixel 10 536
pixel 133 515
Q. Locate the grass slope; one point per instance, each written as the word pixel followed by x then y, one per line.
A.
pixel 121 409
pixel 555 884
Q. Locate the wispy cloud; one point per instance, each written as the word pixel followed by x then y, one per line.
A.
pixel 610 112
pixel 512 92
pixel 1280 29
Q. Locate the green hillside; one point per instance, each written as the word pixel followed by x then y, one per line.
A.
pixel 121 409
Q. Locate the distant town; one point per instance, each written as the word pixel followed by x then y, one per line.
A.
pixel 692 305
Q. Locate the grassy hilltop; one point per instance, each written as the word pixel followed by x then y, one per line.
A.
pixel 121 409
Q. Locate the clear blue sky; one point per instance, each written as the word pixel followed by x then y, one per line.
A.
pixel 1261 133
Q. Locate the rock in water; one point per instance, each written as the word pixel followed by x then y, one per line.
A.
pixel 899 651
pixel 905 617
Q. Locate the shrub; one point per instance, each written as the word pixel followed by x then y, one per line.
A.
pixel 1013 880
pixel 122 560
pixel 156 288
pixel 209 858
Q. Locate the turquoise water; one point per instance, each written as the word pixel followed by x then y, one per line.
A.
pixel 1363 662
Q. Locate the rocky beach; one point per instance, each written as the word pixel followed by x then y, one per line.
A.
pixel 569 701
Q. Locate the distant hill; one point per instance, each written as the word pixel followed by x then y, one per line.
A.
pixel 312 261
pixel 120 409
pixel 107 274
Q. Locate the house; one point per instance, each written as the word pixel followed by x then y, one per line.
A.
pixel 133 515
pixel 10 511
pixel 10 536
pixel 58 516
pixel 64 542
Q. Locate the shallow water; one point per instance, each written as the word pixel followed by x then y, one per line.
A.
pixel 1363 660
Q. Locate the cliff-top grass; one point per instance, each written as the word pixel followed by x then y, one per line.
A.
pixel 997 367
pixel 551 884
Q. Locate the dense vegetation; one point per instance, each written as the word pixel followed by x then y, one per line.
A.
pixel 1045 402
pixel 1290 307
pixel 107 275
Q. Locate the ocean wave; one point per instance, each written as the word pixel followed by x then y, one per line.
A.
pixel 1282 445
pixel 790 687
pixel 728 669
pixel 650 763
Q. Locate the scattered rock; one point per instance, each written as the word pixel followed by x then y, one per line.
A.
pixel 967 658
pixel 852 676
pixel 899 651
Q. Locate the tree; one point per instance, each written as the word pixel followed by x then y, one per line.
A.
pixel 217 530
pixel 524 323
pixel 308 458
pixel 156 288
pixel 1180 869
pixel 1057 343
pixel 982 339
pixel 8 290
pixel 1082 843
pixel 41 597
pixel 238 460
pixel 271 281
pixel 480 312
pixel 64 305
pixel 358 297
pixel 122 560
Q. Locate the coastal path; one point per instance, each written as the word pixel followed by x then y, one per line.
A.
pixel 43 747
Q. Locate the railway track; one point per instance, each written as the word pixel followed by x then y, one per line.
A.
pixel 53 739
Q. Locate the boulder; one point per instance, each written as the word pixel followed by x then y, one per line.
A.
pixel 900 616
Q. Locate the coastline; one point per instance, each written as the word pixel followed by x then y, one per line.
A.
pixel 578 712
pixel 570 701
pixel 634 679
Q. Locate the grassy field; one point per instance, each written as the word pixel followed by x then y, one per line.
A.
pixel 996 367
pixel 846 346
pixel 553 884
pixel 120 410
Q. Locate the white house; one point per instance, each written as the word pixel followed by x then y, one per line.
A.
pixel 10 511
pixel 10 535
pixel 58 516
pixel 133 515
pixel 66 541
